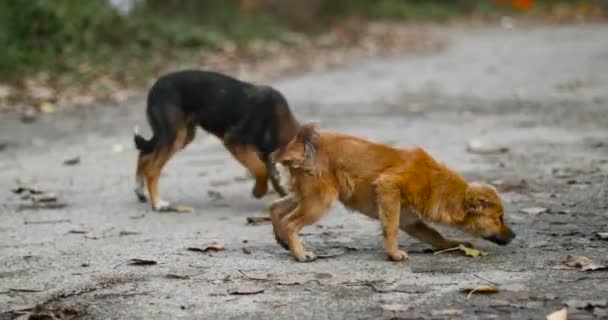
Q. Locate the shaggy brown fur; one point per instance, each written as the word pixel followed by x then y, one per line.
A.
pixel 403 188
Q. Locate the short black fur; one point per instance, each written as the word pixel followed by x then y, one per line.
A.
pixel 239 113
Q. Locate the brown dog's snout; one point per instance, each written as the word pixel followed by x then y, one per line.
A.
pixel 502 239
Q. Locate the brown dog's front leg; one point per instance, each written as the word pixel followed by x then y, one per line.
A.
pixel 309 211
pixel 389 205
pixel 427 234
pixel 278 210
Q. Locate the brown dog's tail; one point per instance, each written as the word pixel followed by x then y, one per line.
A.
pixel 143 145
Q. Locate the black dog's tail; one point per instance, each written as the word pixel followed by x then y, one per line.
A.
pixel 143 145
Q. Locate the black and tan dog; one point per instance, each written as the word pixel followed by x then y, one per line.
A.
pixel 251 120
pixel 403 188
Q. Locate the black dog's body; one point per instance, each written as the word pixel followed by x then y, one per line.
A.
pixel 252 121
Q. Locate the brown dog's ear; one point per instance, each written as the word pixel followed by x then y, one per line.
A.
pixel 302 150
pixel 310 138
pixel 477 198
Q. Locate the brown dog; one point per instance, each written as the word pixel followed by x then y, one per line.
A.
pixel 404 188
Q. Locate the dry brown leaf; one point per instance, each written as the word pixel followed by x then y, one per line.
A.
pixel 480 290
pixel 71 161
pixel 558 315
pixel 216 247
pixel 141 262
pixel 177 276
pixel 584 263
pixel 246 290
pixel 246 250
pixel 257 220
pixel 128 233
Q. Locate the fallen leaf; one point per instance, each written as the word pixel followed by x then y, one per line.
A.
pixel 482 147
pixel 246 290
pixel 246 250
pixel 510 185
pixel 29 115
pixel 254 275
pixel 480 290
pixel 141 262
pixel 584 263
pixel 47 107
pixel 215 195
pixel 395 307
pixel 292 281
pixel 216 247
pixel 602 235
pixel 447 313
pixel 586 304
pixel 257 220
pixel 558 315
pixel 330 253
pixel 45 197
pixel 182 209
pixel 47 221
pixel 26 189
pixel 128 233
pixel 534 210
pixel 177 276
pixel 71 161
pixel 467 251
pixel 77 231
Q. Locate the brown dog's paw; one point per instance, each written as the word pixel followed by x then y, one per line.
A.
pixel 307 256
pixel 398 255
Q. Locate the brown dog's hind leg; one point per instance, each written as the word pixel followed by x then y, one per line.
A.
pixel 248 157
pixel 278 210
pixel 427 234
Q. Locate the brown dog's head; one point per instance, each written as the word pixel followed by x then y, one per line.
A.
pixel 484 214
pixel 300 152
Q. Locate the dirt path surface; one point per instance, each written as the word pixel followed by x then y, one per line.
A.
pixel 540 92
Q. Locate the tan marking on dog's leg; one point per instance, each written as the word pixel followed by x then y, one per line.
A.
pixel 427 234
pixel 278 210
pixel 389 206
pixel 248 157
pixel 142 166
pixel 309 211
pixel 159 160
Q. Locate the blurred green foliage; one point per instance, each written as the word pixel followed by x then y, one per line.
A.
pixel 60 35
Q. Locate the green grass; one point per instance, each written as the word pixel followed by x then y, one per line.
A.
pixel 69 37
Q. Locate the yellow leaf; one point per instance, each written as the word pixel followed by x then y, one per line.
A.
pixel 480 290
pixel 471 252
pixel 47 107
